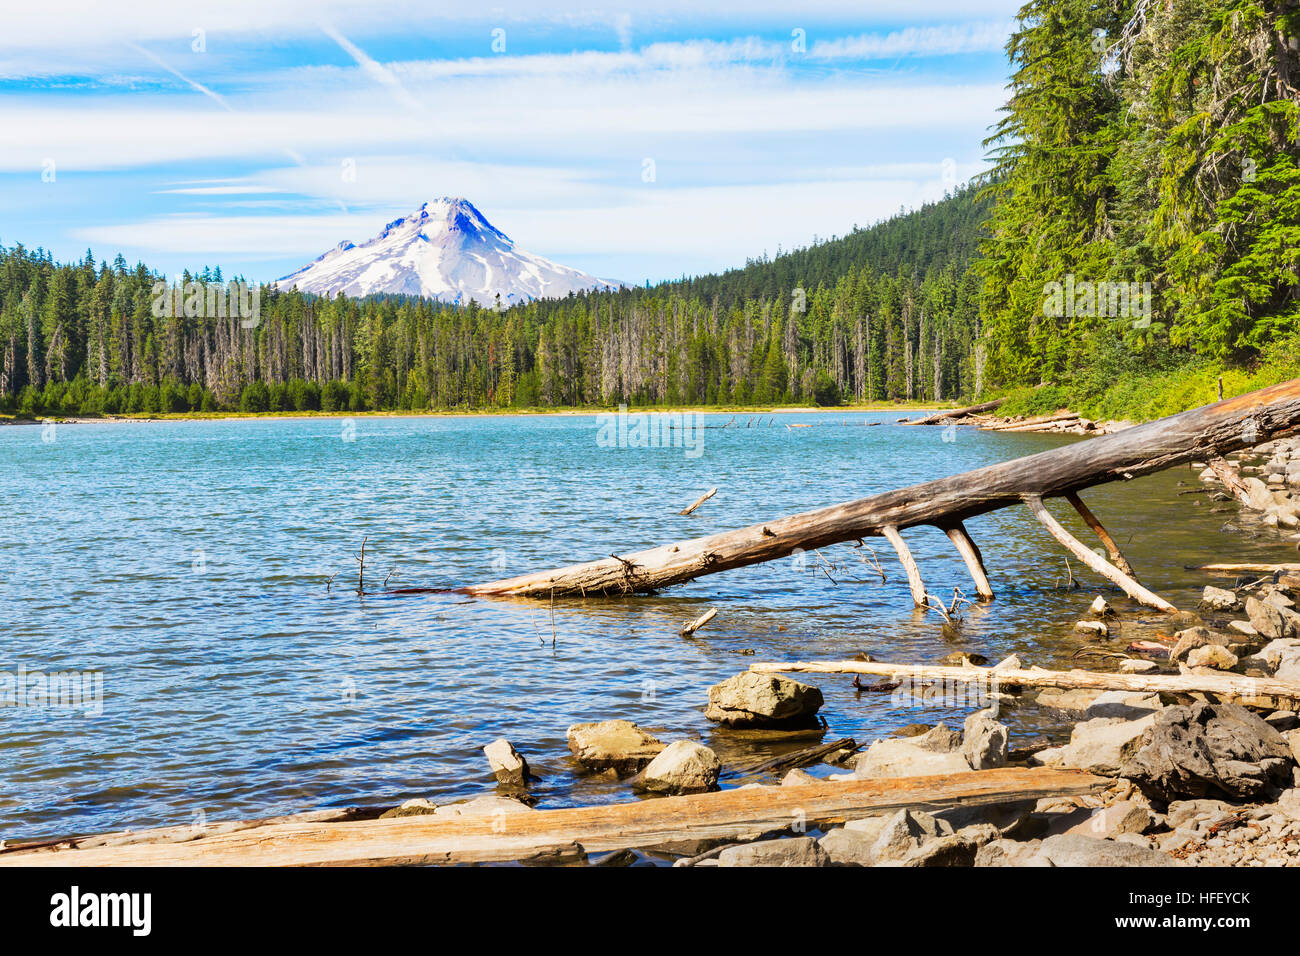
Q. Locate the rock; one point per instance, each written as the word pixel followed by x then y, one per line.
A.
pixel 1219 599
pixel 763 700
pixel 984 741
pixel 932 752
pixel 1135 666
pixel 483 807
pixel 846 847
pixel 1072 702
pixel 1011 663
pixel 510 768
pixel 1124 816
pixel 962 658
pixel 618 745
pixel 684 766
pixel 1101 607
pixel 797 776
pixel 902 833
pixel 1125 704
pixel 1189 640
pixel 1070 849
pixel 795 851
pixel 1270 620
pixel 1104 744
pixel 1183 814
pixel 415 807
pixel 1212 655
pixel 1289 803
pixel 953 850
pixel 1292 737
pixel 1210 750
pixel 1275 653
pixel 1095 628
pixel 1009 853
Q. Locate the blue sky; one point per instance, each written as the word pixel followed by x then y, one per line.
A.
pixel 632 141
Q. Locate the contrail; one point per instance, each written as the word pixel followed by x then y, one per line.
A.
pixel 376 70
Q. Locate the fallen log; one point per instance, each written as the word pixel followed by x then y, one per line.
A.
pixel 1224 685
pixel 799 758
pixel 724 815
pixel 1027 424
pixel 954 413
pixel 1190 436
pixel 1247 568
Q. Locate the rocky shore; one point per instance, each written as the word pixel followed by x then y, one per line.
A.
pixel 1194 780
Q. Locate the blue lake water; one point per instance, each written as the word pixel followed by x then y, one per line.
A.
pixel 191 564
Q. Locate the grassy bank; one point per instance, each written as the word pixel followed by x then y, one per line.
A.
pixel 1111 388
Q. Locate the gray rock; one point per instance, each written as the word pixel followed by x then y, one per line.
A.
pixel 1289 803
pixel 1210 750
pixel 684 766
pixel 1010 853
pixel 1123 704
pixel 1070 849
pixel 954 850
pixel 903 832
pixel 984 741
pixel 846 847
pixel 933 752
pixel 1101 607
pixel 415 807
pixel 1104 744
pixel 1135 665
pixel 1125 816
pixel 1193 637
pixel 1098 629
pixel 1272 621
pixel 763 700
pixel 1183 814
pixel 618 745
pixel 1213 656
pixel 795 851
pixel 484 806
pixel 1072 702
pixel 509 767
pixel 1219 599
pixel 797 776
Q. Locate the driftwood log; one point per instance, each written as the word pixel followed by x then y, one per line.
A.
pixel 955 413
pixel 1191 436
pixel 1266 691
pixel 569 834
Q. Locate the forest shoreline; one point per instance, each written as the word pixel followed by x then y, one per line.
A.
pixel 471 413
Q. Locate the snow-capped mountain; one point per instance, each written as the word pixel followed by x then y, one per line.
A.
pixel 444 250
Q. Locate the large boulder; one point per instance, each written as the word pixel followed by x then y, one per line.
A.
pixel 1070 849
pixel 763 700
pixel 936 751
pixel 1101 745
pixel 1272 621
pixel 618 745
pixel 795 851
pixel 984 741
pixel 1210 750
pixel 684 766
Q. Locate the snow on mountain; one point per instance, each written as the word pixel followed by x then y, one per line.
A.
pixel 444 250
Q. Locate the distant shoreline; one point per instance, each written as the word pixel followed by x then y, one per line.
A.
pixel 467 413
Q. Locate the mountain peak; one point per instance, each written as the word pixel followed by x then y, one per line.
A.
pixel 446 249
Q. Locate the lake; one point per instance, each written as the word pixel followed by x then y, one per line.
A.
pixel 205 571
